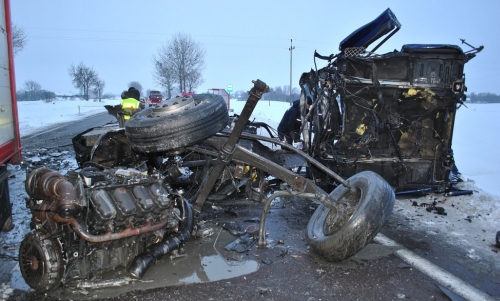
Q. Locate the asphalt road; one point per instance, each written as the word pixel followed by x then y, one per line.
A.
pixel 288 269
pixel 60 135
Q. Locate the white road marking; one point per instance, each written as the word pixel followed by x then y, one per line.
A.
pixel 444 278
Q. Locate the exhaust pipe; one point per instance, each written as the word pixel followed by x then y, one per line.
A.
pixel 154 252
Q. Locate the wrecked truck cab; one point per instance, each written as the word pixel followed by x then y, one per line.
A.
pixel 390 113
pixel 400 123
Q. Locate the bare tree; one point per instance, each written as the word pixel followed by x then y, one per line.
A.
pixel 19 38
pixel 83 78
pixel 98 87
pixel 31 85
pixel 193 80
pixel 181 61
pixel 163 73
pixel 136 85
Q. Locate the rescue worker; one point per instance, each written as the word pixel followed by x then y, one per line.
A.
pixel 289 126
pixel 130 102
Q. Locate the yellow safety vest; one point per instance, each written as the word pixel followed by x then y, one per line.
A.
pixel 129 105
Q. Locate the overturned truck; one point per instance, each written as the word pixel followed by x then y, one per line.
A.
pixel 392 113
pixel 139 189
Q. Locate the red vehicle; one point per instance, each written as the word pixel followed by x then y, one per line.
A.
pixel 184 94
pixel 155 97
pixel 10 141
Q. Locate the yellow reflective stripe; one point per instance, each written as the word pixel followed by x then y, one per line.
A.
pixel 130 103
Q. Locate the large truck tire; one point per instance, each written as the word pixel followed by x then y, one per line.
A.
pixel 177 123
pixel 337 237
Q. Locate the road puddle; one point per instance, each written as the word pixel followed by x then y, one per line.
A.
pixel 204 260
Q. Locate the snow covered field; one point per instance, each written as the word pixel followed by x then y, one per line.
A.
pixel 475 145
pixel 35 115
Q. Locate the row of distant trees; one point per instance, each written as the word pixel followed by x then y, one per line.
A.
pixel 484 98
pixel 282 93
pixel 279 93
pixel 33 91
pixel 83 77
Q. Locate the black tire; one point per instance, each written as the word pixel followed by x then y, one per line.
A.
pixel 337 238
pixel 176 123
pixel 41 261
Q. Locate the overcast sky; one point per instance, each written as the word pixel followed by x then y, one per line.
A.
pixel 244 40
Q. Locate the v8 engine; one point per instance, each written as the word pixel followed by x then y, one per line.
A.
pixel 97 219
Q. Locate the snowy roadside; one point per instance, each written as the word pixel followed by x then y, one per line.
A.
pixel 37 115
pixel 468 222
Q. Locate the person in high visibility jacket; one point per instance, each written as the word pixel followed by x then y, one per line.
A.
pixel 130 102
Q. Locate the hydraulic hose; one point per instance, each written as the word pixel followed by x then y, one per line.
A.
pixel 154 252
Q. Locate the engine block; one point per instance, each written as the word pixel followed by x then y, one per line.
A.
pixel 96 219
pixel 124 200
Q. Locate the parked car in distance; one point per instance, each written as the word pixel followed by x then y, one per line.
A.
pixel 155 97
pixel 185 94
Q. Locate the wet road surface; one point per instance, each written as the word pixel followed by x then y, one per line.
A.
pixel 285 270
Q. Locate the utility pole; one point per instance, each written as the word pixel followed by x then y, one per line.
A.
pixel 291 50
